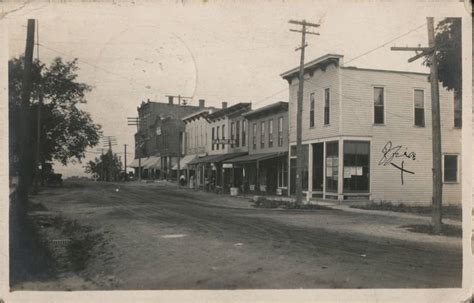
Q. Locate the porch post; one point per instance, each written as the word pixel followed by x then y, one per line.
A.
pixel 257 180
pixel 309 193
pixel 340 176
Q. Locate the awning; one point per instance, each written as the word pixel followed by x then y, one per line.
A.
pixel 147 163
pixel 152 163
pixel 183 162
pixel 256 157
pixel 134 163
pixel 216 158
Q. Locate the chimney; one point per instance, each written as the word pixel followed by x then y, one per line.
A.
pixel 201 103
pixel 170 99
pixel 224 104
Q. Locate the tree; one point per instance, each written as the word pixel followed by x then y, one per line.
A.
pixel 449 56
pixel 107 167
pixel 66 130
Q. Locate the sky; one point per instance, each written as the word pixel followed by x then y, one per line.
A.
pixel 231 51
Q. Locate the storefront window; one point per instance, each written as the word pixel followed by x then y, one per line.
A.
pixel 356 166
pixel 332 165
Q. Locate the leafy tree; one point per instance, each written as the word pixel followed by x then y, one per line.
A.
pixel 66 130
pixel 449 54
pixel 107 167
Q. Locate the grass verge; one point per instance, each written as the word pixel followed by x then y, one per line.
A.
pixel 448 211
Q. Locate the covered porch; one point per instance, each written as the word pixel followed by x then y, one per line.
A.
pixel 262 173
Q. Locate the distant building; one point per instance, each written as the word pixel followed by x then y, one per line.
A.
pixel 157 141
pixel 265 168
pixel 195 144
pixel 367 134
pixel 222 126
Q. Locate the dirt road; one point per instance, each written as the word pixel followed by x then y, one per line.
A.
pixel 159 237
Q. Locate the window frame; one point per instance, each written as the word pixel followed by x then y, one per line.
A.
pixel 312 106
pixel 457 168
pixel 270 133
pixel 262 134
pixel 280 131
pixel 254 135
pixel 328 89
pixel 384 105
pixel 213 138
pixel 232 133
pixel 414 107
pixel 244 133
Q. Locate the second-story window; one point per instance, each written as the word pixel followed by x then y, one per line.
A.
pixel 457 110
pixel 327 103
pixel 217 137
pixel 232 132
pixel 262 134
pixel 223 135
pixel 379 104
pixel 254 136
pixel 270 133
pixel 419 107
pixel 213 138
pixel 244 129
pixel 237 134
pixel 311 110
pixel 280 131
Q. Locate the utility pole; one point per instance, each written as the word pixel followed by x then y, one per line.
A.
pixel 179 137
pixel 135 121
pixel 125 161
pixel 430 51
pixel 299 106
pixel 25 154
pixel 38 118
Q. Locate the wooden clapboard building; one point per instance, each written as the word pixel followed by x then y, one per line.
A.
pixel 264 169
pixel 224 142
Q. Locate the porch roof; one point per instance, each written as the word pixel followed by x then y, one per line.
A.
pixel 256 157
pixel 216 158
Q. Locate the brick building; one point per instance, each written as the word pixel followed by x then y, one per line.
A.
pixel 157 141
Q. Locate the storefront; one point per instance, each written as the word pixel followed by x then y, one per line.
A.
pixel 263 173
pixel 334 168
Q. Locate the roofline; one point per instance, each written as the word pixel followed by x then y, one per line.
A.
pixel 266 108
pixel 206 110
pixel 384 70
pixel 311 63
pixel 226 111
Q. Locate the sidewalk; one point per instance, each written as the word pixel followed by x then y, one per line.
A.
pixel 347 208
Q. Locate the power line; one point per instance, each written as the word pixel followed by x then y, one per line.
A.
pixel 385 43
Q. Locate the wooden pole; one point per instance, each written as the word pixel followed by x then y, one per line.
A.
pixel 25 149
pixel 299 112
pixel 436 131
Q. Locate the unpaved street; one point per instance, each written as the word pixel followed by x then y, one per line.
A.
pixel 155 236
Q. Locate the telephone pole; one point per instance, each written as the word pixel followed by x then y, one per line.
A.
pixel 38 122
pixel 179 136
pixel 299 107
pixel 25 154
pixel 125 161
pixel 135 121
pixel 430 51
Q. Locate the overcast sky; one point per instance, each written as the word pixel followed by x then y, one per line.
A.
pixel 217 51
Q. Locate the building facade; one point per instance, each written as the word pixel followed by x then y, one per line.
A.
pixel 158 138
pixel 195 145
pixel 222 125
pixel 265 169
pixel 367 134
